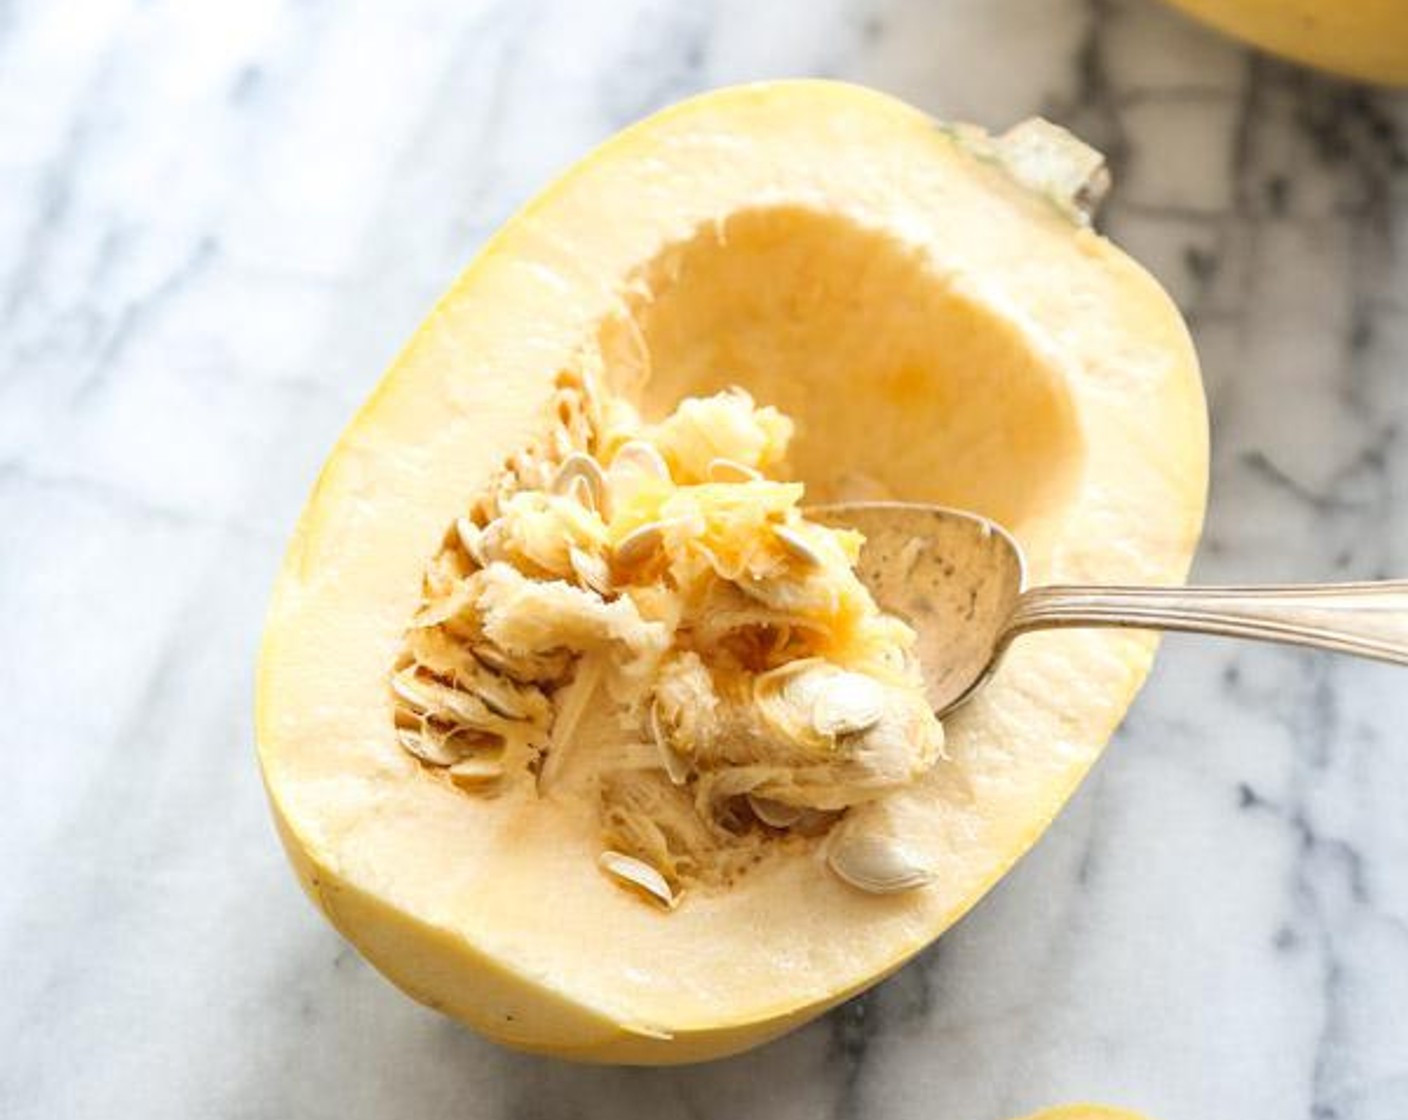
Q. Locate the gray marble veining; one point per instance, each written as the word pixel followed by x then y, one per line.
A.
pixel 218 222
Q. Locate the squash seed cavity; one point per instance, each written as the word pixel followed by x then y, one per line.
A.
pixel 660 581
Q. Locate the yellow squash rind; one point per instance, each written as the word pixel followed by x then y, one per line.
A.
pixel 1364 39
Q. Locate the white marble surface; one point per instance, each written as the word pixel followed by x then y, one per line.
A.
pixel 217 223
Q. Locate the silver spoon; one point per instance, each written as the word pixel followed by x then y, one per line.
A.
pixel 960 581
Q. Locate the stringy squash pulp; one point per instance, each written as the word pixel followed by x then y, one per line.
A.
pixel 636 616
pixel 928 308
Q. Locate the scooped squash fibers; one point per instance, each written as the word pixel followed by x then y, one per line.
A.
pixel 572 721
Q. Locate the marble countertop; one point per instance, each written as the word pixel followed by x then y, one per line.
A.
pixel 217 224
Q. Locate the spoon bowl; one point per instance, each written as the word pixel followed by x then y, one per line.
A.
pixel 954 576
pixel 960 581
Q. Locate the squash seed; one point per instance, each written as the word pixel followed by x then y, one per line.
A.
pixel 492 542
pixel 581 477
pixel 501 697
pixel 443 609
pixel 526 667
pixel 580 491
pixel 849 703
pixel 729 470
pixel 591 570
pixel 639 545
pixel 636 456
pixel 471 539
pixel 797 546
pixel 638 875
pixel 491 657
pixel 407 690
pixel 562 443
pixel 440 701
pixel 787 696
pixel 676 767
pixel 476 772
pixel 774 814
pixel 635 465
pixel 426 748
pixel 875 864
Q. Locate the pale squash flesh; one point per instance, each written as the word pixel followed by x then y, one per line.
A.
pixel 928 322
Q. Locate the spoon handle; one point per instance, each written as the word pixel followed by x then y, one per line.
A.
pixel 1364 619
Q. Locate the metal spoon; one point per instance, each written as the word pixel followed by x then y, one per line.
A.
pixel 960 581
